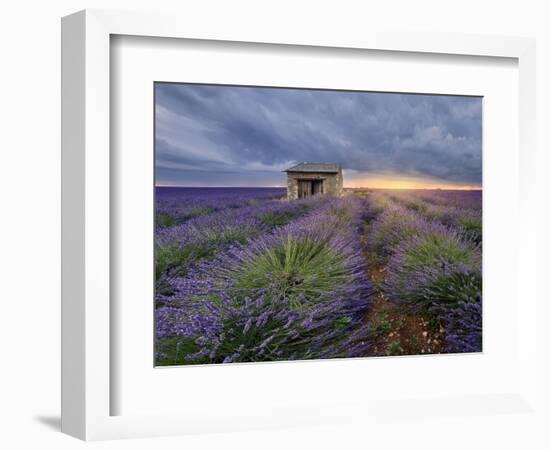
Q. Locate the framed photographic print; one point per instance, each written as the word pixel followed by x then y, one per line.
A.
pixel 258 225
pixel 267 252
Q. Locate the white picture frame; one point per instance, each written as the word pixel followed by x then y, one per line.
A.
pixel 87 386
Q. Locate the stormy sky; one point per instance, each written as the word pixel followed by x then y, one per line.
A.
pixel 210 135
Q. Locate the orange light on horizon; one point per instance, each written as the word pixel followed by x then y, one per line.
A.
pixel 381 183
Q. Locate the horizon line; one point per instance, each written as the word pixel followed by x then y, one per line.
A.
pixel 458 188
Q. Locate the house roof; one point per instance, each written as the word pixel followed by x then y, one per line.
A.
pixel 315 167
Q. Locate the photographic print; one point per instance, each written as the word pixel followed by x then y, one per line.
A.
pixel 298 224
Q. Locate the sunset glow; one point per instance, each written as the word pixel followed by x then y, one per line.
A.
pixel 407 184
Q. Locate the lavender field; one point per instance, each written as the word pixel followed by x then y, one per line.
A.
pixel 245 275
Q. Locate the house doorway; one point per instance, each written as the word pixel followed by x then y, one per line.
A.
pixel 307 188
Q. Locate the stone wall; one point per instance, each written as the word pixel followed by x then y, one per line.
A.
pixel 333 182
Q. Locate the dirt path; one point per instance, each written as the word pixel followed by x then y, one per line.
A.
pixel 394 329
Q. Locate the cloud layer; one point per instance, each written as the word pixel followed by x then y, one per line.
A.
pixel 239 136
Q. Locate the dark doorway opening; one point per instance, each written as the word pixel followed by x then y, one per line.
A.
pixel 317 187
pixel 307 188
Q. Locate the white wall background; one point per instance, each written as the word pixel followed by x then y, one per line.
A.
pixel 30 197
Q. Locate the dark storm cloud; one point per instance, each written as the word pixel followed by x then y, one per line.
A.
pixel 217 135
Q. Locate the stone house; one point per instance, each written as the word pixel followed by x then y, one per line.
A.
pixel 307 179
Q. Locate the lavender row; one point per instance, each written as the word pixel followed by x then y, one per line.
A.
pixel 431 267
pixel 468 220
pixel 179 247
pixel 393 223
pixel 466 199
pixel 298 293
pixel 177 205
pixel 222 233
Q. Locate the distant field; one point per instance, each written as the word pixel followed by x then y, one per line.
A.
pixel 244 275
